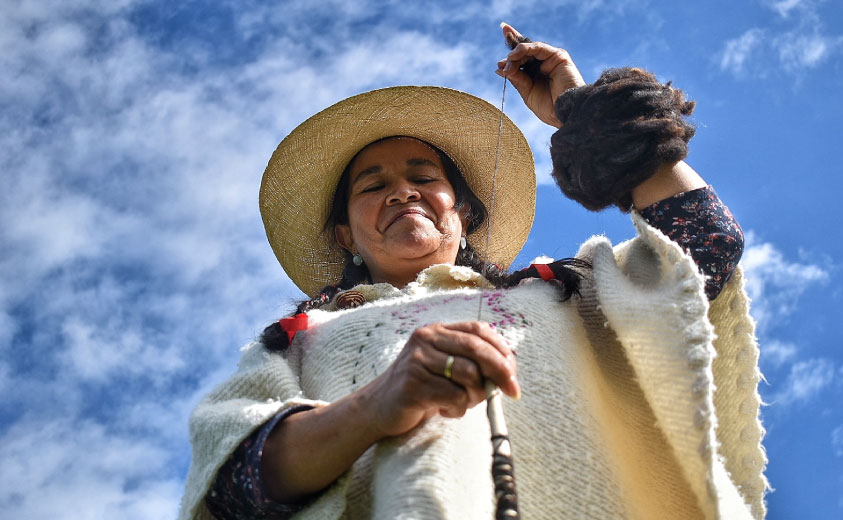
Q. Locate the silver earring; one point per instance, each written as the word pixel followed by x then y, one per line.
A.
pixel 462 243
pixel 357 260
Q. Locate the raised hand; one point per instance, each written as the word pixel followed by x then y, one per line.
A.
pixel 557 73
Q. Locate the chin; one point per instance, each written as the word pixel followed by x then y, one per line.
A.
pixel 416 248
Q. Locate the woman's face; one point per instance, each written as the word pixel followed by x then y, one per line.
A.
pixel 401 216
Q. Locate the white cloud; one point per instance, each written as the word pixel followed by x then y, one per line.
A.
pixel 795 50
pixel 775 353
pixel 101 350
pixel 501 8
pixel 775 283
pixel 784 7
pixel 417 52
pixel 801 51
pixel 134 262
pixel 48 227
pixel 52 468
pixel 795 42
pixel 739 50
pixel 837 441
pixel 805 381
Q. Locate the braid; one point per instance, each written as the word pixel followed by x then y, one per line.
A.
pixel 567 280
pixel 567 277
pixel 276 340
pixel 469 257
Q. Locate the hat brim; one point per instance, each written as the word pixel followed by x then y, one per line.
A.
pixel 301 177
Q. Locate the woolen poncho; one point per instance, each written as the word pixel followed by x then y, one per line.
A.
pixel 639 399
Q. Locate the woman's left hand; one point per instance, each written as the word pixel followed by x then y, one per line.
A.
pixel 558 75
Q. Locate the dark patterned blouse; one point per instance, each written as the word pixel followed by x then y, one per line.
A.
pixel 704 227
pixel 696 220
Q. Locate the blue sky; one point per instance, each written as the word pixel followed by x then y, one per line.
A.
pixel 133 135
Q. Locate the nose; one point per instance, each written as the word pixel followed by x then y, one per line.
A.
pixel 403 192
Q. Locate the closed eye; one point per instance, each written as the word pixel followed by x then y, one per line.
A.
pixel 371 188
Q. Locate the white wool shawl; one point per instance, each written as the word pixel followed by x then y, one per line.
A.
pixel 639 397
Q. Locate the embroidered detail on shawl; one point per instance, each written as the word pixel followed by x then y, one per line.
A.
pixel 439 277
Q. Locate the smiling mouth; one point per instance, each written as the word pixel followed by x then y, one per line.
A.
pixel 404 213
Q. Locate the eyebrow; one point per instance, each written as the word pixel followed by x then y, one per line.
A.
pixel 412 161
pixel 420 161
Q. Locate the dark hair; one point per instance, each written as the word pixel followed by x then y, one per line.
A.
pixel 615 134
pixel 568 279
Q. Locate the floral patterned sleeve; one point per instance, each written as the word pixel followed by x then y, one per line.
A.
pixel 237 493
pixel 704 227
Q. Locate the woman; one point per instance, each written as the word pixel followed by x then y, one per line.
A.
pixel 365 406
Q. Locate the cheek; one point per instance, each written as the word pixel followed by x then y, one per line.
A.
pixel 449 216
pixel 443 201
pixel 362 217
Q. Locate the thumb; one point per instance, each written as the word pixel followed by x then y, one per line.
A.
pixel 522 83
pixel 520 80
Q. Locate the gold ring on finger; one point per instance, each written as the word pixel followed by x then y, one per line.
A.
pixel 449 367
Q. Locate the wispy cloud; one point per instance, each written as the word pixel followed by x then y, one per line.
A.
pixel 805 381
pixel 775 283
pixel 796 41
pixel 738 52
pixel 805 51
pixel 134 259
pixel 775 353
pixel 837 441
pixel 784 7
pixel 49 467
pixel 134 262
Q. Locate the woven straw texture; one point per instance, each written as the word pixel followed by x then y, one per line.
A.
pixel 301 177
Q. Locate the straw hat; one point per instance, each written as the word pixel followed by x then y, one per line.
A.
pixel 301 177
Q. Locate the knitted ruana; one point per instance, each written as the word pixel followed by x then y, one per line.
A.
pixel 639 399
